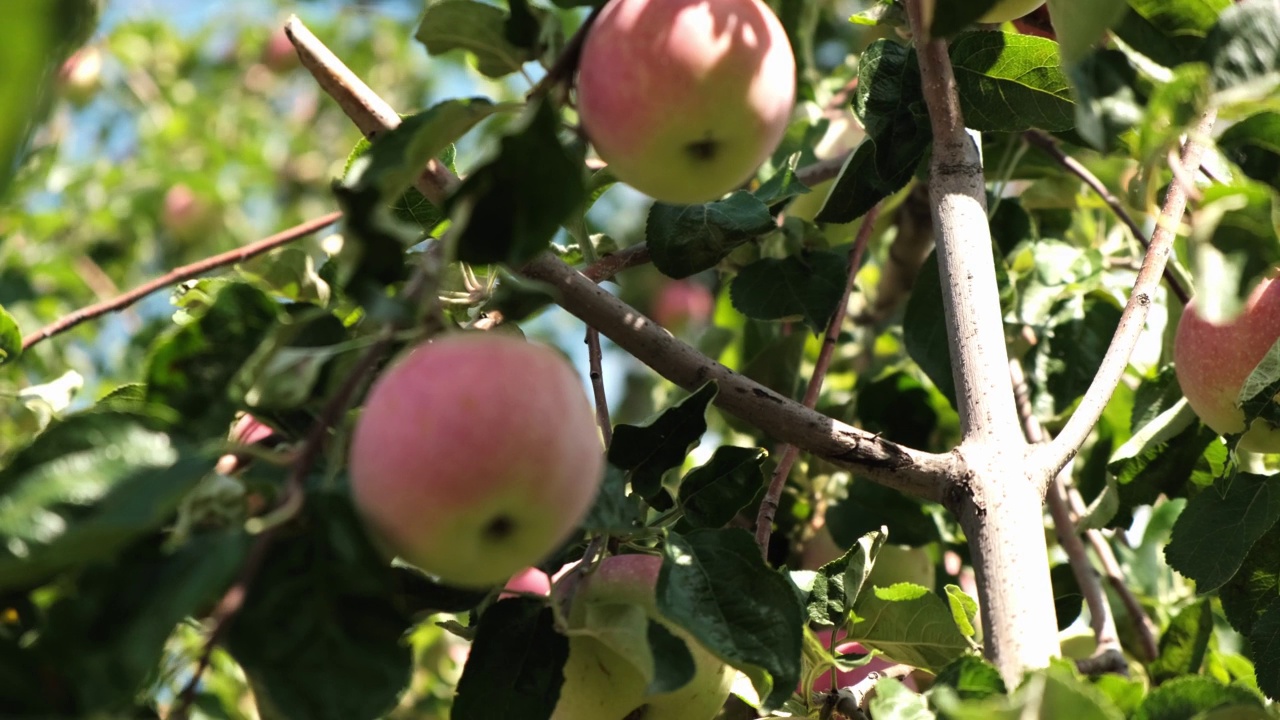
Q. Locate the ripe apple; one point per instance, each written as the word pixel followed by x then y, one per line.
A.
pixel 1006 10
pixel 81 75
pixel 187 216
pixel 475 456
pixel 600 683
pixel 681 303
pixel 1213 360
pixel 530 580
pixel 685 98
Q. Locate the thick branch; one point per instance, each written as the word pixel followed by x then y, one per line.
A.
pixel 913 472
pixel 1051 458
pixel 970 294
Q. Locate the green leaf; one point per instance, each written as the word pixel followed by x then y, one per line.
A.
pixel 1108 97
pixel 895 701
pixel 716 586
pixel 838 584
pixel 396 158
pixel 1265 641
pixel 809 285
pixel 964 610
pixel 711 494
pixel 783 184
pixel 1169 33
pixel 1067 598
pixel 951 17
pixel 687 239
pixel 648 451
pixel 513 205
pixel 1009 82
pixel 1063 364
pixel 673 665
pixel 1257 397
pixel 924 330
pixel 10 337
pixel 1080 24
pixel 335 648
pixel 908 624
pixel 1165 461
pixel 972 678
pixel 516 664
pixel 190 367
pixel 1220 524
pixel 519 298
pixel 288 367
pixel 1243 51
pixel 85 488
pixel 477 28
pixel 1184 697
pixel 1253 144
pixel 1250 592
pixel 898 407
pixel 1055 692
pixel 868 506
pixel 614 511
pixel 130 608
pixel 1184 643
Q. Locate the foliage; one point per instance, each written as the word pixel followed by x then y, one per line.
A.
pixel 127 514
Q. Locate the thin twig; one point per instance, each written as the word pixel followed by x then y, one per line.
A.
pixel 178 275
pixel 1142 623
pixel 1052 457
pixel 595 360
pixel 369 111
pixel 562 70
pixel 1046 143
pixel 769 506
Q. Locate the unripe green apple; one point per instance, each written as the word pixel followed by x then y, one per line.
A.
pixel 1006 10
pixel 1213 360
pixel 601 684
pixel 685 98
pixel 475 456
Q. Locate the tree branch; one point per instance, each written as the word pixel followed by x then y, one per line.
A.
pixel 1052 457
pixel 769 506
pixel 911 471
pixel 182 274
pixel 1050 147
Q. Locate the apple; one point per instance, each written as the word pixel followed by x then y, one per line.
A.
pixel 475 456
pixel 530 580
pixel 849 678
pixel 278 53
pixel 1006 10
pixel 187 216
pixel 600 683
pixel 681 304
pixel 81 75
pixel 1213 359
pixel 685 98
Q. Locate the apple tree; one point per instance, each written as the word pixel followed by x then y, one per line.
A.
pixel 640 359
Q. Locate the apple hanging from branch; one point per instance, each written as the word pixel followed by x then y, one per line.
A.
pixel 600 683
pixel 1213 359
pixel 685 98
pixel 475 456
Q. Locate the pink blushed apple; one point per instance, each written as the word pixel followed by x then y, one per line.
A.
pixel 849 678
pixel 601 679
pixel 475 456
pixel 682 303
pixel 685 98
pixel 1213 360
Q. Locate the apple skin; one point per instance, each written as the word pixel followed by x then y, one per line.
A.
pixel 681 304
pixel 278 53
pixel 599 684
pixel 685 98
pixel 475 456
pixel 1213 360
pixel 1009 9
